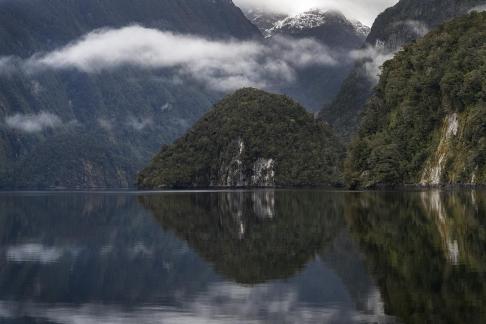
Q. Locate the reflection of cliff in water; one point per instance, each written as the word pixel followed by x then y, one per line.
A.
pixel 427 252
pixel 251 237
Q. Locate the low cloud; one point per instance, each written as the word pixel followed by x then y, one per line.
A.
pixel 33 123
pixel 220 65
pixel 139 124
pixel 417 27
pixel 35 253
pixel 373 58
pixel 480 8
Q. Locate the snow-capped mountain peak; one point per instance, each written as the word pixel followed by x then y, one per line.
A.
pixel 312 19
pixel 309 19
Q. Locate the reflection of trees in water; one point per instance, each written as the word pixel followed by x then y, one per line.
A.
pixel 427 252
pixel 251 237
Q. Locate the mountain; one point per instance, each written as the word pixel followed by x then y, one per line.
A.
pixel 263 20
pixel 330 27
pixel 426 122
pixel 249 139
pixel 71 129
pixel 426 251
pixel 315 85
pixel 396 26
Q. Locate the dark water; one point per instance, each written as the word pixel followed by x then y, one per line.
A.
pixel 243 257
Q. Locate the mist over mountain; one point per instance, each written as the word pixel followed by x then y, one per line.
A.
pixel 315 86
pixel 396 26
pixel 425 123
pixel 62 126
pixel 90 90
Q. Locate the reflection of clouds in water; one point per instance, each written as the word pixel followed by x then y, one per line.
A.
pixel 34 253
pixel 223 303
pixel 40 253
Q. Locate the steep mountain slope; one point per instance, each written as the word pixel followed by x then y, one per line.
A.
pixel 426 122
pixel 263 20
pixel 97 129
pixel 250 139
pixel 316 85
pixel 399 25
pixel 30 26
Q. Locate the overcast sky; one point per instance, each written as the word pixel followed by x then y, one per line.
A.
pixel 362 10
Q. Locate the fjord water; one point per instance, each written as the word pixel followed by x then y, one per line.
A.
pixel 243 257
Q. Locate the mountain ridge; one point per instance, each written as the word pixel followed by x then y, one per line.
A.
pixel 396 26
pixel 426 124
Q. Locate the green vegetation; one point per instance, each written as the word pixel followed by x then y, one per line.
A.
pixel 252 237
pixel 426 252
pixel 228 146
pixel 396 26
pixel 114 121
pixel 426 122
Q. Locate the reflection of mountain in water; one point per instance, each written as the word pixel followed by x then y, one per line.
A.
pixel 78 248
pixel 427 252
pixel 251 237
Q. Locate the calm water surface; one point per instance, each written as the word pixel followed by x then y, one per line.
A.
pixel 243 257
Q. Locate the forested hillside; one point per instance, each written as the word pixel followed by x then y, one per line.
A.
pixel 250 139
pixel 67 128
pixel 407 21
pixel 426 122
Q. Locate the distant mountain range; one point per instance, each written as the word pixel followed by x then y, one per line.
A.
pixel 97 130
pixel 83 125
pixel 315 86
pixel 65 128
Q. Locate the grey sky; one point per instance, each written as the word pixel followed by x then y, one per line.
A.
pixel 362 10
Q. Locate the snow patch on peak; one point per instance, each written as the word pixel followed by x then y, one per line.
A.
pixel 361 28
pixel 306 20
pixel 315 18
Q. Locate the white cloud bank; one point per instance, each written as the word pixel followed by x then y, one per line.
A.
pixel 479 8
pixel 33 123
pixel 220 65
pixel 362 10
pixel 36 253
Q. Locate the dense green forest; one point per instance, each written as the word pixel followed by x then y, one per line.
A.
pixel 426 251
pixel 395 27
pixel 426 122
pixel 251 138
pixel 113 122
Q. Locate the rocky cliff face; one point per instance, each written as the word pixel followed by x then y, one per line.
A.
pixel 70 129
pixel 250 139
pixel 233 172
pixel 404 23
pixel 426 122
